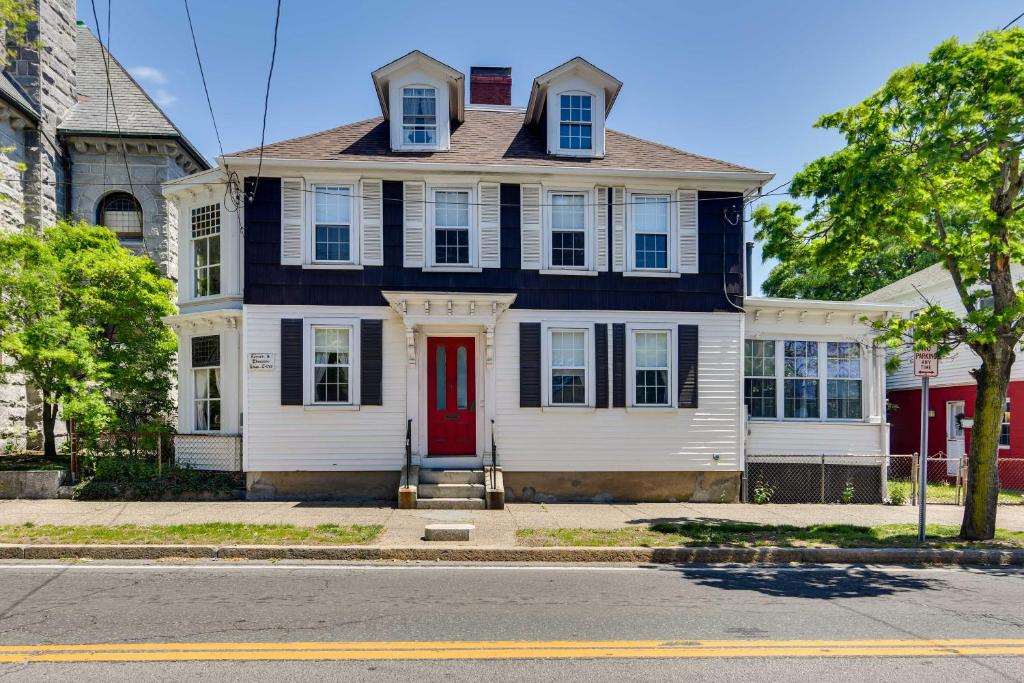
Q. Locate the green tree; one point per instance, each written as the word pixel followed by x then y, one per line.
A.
pixel 80 317
pixel 932 162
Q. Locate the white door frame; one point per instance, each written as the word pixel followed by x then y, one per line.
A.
pixel 955 444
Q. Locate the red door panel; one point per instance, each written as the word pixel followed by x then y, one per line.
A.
pixel 451 396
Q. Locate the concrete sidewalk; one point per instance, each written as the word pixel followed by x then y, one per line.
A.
pixel 404 528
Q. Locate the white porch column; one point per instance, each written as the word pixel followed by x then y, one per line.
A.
pixel 490 387
pixel 412 388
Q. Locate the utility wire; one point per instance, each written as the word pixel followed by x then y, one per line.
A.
pixel 1014 21
pixel 266 100
pixel 202 75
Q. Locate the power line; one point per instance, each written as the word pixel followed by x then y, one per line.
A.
pixel 1014 21
pixel 266 100
pixel 202 75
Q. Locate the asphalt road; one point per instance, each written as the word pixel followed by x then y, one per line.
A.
pixel 203 607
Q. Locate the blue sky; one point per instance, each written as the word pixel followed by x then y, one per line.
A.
pixel 740 81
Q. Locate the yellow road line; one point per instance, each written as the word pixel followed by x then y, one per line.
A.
pixel 557 649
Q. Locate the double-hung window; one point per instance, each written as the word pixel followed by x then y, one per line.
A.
pixel 652 367
pixel 759 378
pixel 332 224
pixel 206 250
pixel 575 127
pixel 843 387
pixel 568 367
pixel 1004 429
pixel 451 228
pixel 651 223
pixel 568 230
pixel 800 379
pixel 206 383
pixel 332 364
pixel 419 116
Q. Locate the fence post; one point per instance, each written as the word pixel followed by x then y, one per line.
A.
pixel 914 465
pixel 822 477
pixel 159 453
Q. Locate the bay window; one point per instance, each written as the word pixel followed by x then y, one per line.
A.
pixel 843 388
pixel 759 378
pixel 206 250
pixel 206 394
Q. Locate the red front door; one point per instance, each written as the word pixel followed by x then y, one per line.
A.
pixel 451 396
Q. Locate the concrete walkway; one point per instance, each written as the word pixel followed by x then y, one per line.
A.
pixel 403 528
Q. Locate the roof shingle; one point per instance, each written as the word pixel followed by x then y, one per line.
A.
pixel 487 137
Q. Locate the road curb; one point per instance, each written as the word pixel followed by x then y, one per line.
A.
pixel 765 555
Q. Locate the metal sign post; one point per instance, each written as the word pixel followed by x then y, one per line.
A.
pixel 926 366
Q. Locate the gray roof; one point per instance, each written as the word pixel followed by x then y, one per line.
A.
pixel 12 92
pixel 137 114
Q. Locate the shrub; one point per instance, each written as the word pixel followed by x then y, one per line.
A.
pixel 763 492
pixel 898 492
pixel 847 495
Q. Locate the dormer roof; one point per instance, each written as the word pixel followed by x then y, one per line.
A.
pixel 455 79
pixel 576 66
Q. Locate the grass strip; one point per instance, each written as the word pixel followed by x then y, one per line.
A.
pixel 744 535
pixel 214 533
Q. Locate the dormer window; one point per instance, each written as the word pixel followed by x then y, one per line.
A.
pixel 419 116
pixel 575 122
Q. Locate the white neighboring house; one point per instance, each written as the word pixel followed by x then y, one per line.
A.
pixel 453 285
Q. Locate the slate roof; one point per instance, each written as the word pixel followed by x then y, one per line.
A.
pixel 12 92
pixel 487 137
pixel 138 115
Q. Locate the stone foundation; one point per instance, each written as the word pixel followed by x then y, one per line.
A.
pixel 603 487
pixel 323 486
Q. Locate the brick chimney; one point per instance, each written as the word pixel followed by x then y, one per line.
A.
pixel 490 85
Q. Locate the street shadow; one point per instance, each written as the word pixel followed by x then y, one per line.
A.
pixel 812 582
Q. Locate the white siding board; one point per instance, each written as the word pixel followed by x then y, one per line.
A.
pixel 813 438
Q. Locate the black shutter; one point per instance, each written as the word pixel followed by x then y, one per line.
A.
pixel 529 365
pixel 601 364
pixel 687 366
pixel 618 365
pixel 371 362
pixel 291 362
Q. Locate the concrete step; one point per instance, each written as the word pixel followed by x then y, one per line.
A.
pixel 451 476
pixel 450 490
pixel 450 503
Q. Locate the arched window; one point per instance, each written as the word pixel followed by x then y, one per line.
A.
pixel 121 212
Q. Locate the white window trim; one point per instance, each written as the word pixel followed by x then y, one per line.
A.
pixel 474 232
pixel 192 385
pixel 309 325
pixel 355 227
pixel 192 252
pixel 568 151
pixel 673 236
pixel 1006 409
pixel 588 374
pixel 589 233
pixel 780 388
pixel 673 373
pixel 438 115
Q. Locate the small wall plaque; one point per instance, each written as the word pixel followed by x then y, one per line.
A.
pixel 261 361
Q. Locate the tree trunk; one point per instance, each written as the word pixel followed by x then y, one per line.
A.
pixel 982 494
pixel 49 421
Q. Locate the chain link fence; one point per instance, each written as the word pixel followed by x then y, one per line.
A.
pixel 220 452
pixel 947 479
pixel 815 479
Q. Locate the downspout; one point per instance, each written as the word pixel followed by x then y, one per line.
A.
pixel 750 268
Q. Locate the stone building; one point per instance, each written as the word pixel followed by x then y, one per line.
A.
pixel 79 137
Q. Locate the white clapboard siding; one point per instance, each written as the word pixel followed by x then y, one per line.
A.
pixel 414 223
pixel 288 438
pixel 490 225
pixel 293 202
pixel 687 207
pixel 372 192
pixel 530 227
pixel 601 226
pixel 814 438
pixel 618 229
pixel 616 440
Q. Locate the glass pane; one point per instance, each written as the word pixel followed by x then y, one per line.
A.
pixel 451 246
pixel 568 249
pixel 651 251
pixel 567 212
pixel 650 213
pixel 759 395
pixel 844 399
pixel 462 378
pixel 800 358
pixel 651 349
pixel 800 398
pixel 568 349
pixel 442 398
pixel 843 359
pixel 201 389
pixel 215 415
pixel 651 387
pixel 202 418
pixel 333 204
pixel 451 209
pixel 568 387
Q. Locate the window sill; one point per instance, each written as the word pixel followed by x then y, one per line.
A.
pixel 332 266
pixel 652 273
pixel 652 409
pixel 812 420
pixel 330 407
pixel 568 409
pixel 453 269
pixel 555 271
